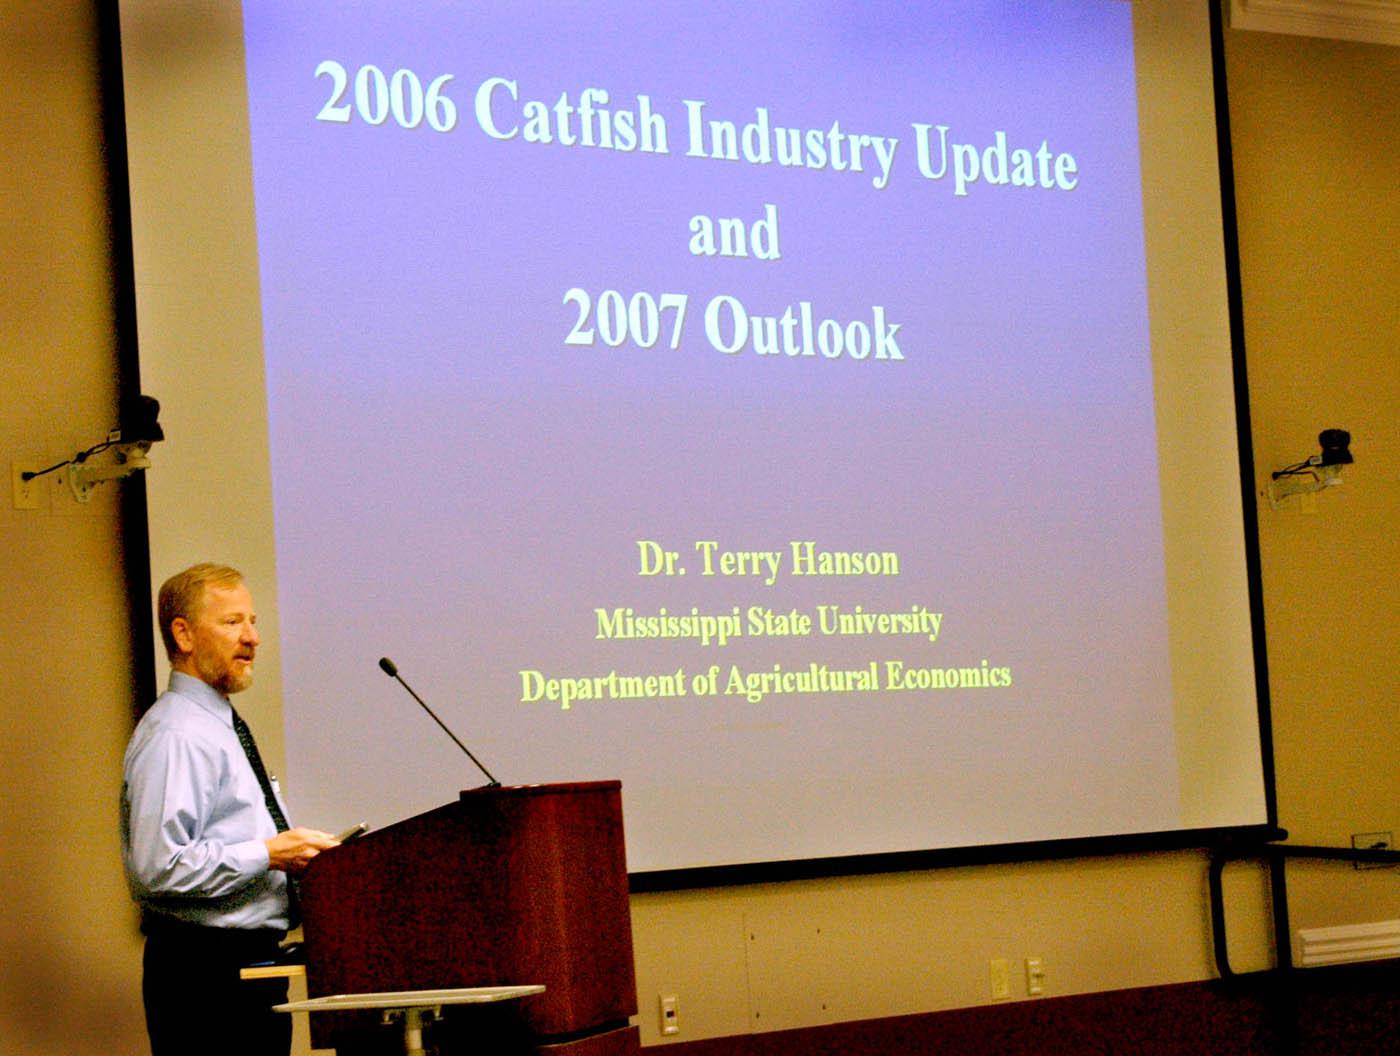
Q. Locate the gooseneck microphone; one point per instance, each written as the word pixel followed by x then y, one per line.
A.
pixel 391 669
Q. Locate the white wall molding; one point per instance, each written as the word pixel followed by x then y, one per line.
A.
pixel 1372 21
pixel 1349 942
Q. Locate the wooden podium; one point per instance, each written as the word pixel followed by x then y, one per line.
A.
pixel 506 886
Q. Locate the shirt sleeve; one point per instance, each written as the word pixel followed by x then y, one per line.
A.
pixel 175 844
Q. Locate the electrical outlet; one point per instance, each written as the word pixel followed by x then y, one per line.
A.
pixel 1371 841
pixel 1035 976
pixel 1001 979
pixel 27 493
pixel 670 1014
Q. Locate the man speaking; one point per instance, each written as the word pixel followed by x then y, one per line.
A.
pixel 205 841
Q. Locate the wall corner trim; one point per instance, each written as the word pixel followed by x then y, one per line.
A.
pixel 1369 21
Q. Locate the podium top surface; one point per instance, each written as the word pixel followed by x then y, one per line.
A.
pixel 560 788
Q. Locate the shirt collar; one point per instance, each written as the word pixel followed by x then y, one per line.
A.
pixel 203 694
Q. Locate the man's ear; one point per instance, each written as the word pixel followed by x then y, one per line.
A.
pixel 183 634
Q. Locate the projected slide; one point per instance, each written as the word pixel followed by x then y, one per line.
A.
pixel 753 402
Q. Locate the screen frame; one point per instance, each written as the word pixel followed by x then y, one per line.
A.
pixel 138 553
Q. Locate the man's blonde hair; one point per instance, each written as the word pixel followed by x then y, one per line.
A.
pixel 182 594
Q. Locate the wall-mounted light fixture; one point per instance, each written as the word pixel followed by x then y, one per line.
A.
pixel 1316 472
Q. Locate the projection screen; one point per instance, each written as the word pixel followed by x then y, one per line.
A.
pixel 820 416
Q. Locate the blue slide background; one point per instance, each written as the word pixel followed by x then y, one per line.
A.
pixel 456 487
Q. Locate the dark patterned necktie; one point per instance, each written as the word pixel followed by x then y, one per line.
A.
pixel 250 749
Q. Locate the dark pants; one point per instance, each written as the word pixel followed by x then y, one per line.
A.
pixel 195 1001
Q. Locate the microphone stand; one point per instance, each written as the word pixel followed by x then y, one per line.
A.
pixel 391 669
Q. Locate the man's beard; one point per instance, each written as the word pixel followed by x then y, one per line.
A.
pixel 229 680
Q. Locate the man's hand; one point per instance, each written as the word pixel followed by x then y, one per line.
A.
pixel 292 851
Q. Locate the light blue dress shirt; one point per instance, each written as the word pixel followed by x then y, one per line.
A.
pixel 193 818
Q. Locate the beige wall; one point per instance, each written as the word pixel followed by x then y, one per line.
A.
pixel 69 956
pixel 1316 131
pixel 1317 159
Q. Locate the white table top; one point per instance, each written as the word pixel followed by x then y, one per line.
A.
pixel 474 995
